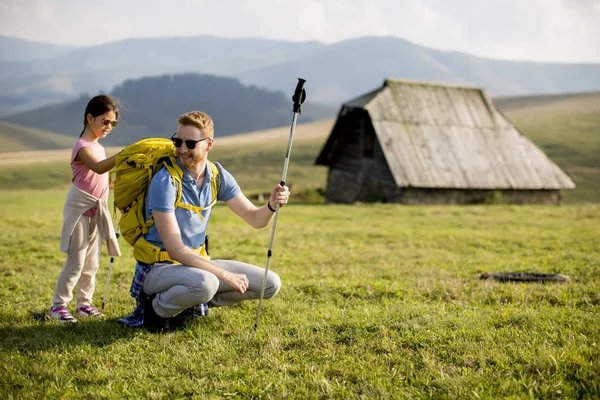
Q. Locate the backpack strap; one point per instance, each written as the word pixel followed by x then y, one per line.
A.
pixel 176 175
pixel 215 187
pixel 148 253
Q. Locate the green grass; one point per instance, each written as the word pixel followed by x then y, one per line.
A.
pixel 378 301
pixel 302 173
pixel 37 176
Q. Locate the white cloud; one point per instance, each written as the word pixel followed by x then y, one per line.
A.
pixel 532 29
pixel 45 10
pixel 311 19
pixel 562 30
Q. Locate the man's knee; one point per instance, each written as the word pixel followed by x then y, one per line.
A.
pixel 273 285
pixel 206 288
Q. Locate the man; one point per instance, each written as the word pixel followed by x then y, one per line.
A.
pixel 189 280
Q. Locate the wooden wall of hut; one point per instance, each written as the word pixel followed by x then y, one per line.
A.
pixel 358 170
pixel 475 196
pixel 343 186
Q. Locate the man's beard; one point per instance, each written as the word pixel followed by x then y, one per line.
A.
pixel 189 161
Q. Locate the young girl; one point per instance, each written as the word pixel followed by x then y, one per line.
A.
pixel 86 218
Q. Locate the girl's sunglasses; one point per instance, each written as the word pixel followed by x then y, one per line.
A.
pixel 190 144
pixel 107 122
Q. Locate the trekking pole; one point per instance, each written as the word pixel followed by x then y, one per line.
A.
pixel 112 261
pixel 110 267
pixel 298 98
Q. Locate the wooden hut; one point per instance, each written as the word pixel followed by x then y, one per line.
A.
pixel 423 143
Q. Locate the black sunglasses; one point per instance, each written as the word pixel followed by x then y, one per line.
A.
pixel 189 143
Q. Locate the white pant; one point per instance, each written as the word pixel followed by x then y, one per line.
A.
pixel 83 260
pixel 180 287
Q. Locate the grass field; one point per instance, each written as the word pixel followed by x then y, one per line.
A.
pixel 379 301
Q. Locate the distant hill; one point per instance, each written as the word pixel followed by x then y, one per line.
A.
pixel 21 138
pixel 350 68
pixel 334 72
pixel 14 49
pixel 564 102
pixel 102 67
pixel 16 54
pixel 150 107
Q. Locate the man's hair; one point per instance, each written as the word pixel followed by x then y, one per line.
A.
pixel 200 120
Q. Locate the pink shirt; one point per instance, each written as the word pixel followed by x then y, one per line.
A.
pixel 86 179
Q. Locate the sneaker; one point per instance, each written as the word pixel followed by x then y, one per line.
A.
pixel 61 314
pixel 88 311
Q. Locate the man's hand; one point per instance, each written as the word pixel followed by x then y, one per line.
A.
pixel 279 195
pixel 239 282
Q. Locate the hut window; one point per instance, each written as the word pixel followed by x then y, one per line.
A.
pixel 368 143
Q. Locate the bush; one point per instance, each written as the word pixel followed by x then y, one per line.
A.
pixel 309 196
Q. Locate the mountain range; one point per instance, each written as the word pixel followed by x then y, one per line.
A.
pixel 149 107
pixel 34 74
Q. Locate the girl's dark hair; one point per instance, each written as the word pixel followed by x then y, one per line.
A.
pixel 99 105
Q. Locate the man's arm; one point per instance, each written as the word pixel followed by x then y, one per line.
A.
pixel 169 232
pixel 258 217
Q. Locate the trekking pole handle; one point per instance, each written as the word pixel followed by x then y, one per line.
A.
pixel 299 95
pixel 298 98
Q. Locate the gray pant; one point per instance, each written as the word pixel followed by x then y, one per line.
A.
pixel 81 266
pixel 180 286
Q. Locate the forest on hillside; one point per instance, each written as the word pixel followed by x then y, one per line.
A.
pixel 150 107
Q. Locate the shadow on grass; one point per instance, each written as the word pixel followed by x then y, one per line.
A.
pixel 44 334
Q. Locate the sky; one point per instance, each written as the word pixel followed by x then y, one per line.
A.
pixel 535 30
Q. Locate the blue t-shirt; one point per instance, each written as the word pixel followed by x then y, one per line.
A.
pixel 162 194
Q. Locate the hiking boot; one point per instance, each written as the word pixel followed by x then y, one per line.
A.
pixel 88 311
pixel 179 321
pixel 61 314
pixel 152 321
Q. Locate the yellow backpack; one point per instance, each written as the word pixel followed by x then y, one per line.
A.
pixel 135 167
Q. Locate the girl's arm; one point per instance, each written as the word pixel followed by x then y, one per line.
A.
pixel 98 166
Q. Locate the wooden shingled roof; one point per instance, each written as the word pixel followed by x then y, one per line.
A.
pixel 443 136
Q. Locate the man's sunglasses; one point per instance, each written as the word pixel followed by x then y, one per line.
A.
pixel 107 122
pixel 189 143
